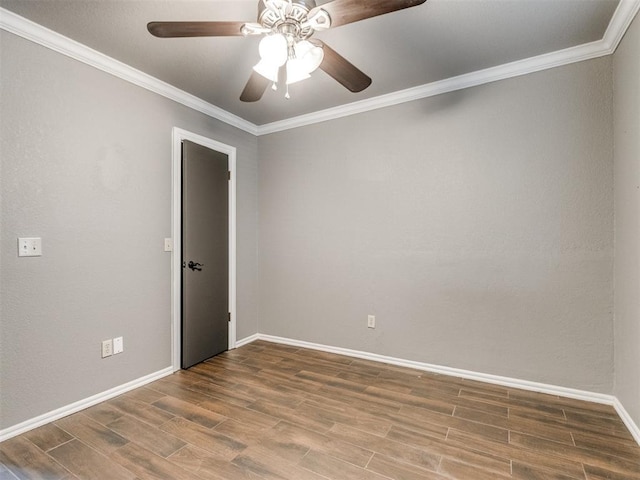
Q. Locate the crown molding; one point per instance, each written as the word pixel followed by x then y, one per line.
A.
pixel 473 79
pixel 622 18
pixel 36 33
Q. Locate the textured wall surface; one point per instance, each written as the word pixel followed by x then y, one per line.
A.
pixel 477 226
pixel 86 165
pixel 627 220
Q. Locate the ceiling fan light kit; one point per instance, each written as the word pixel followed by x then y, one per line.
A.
pixel 287 26
pixel 301 58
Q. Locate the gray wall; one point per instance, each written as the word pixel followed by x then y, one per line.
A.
pixel 477 226
pixel 86 165
pixel 627 225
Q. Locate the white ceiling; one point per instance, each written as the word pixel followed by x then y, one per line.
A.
pixel 431 42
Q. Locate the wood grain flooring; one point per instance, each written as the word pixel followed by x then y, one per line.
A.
pixel 268 411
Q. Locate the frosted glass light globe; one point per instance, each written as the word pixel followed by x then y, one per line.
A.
pixel 267 70
pixel 308 58
pixel 273 49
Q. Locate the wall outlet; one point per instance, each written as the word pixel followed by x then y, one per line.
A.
pixel 107 348
pixel 371 321
pixel 118 345
pixel 30 247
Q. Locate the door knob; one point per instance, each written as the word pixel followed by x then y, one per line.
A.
pixel 195 265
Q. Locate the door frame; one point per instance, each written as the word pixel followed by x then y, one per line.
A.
pixel 178 135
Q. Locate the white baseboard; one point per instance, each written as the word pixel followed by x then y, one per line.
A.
pixel 626 418
pixel 58 413
pixel 483 377
pixel 247 340
pixel 456 372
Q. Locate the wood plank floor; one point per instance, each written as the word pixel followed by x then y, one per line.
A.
pixel 268 411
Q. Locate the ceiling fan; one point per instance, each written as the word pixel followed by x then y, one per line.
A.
pixel 287 52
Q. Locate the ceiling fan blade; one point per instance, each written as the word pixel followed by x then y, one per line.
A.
pixel 255 87
pixel 195 29
pixel 338 67
pixel 349 11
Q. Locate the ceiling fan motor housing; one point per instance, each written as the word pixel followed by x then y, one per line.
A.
pixel 292 22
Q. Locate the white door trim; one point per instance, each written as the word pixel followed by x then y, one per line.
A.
pixel 178 135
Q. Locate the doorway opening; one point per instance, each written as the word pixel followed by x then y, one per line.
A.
pixel 178 137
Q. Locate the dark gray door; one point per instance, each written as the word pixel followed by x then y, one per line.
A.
pixel 205 253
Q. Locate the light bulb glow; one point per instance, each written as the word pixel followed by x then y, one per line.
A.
pixel 273 49
pixel 296 71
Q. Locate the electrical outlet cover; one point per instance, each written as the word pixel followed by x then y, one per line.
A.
pixel 30 247
pixel 107 348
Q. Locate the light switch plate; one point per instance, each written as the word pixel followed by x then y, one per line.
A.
pixel 29 247
pixel 118 345
pixel 168 244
